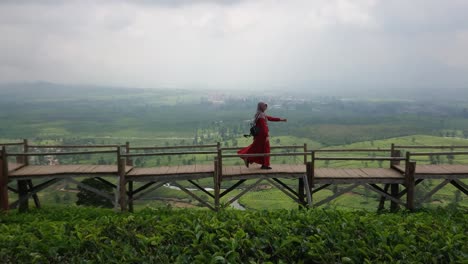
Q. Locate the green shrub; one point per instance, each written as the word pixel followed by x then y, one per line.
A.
pixel 61 235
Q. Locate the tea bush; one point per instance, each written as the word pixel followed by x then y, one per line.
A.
pixel 82 235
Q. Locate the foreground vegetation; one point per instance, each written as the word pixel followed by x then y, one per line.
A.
pixel 78 235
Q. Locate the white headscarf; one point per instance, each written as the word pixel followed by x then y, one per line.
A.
pixel 260 113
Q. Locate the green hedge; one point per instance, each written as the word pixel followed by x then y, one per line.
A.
pixel 81 235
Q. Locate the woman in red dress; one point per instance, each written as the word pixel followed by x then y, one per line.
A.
pixel 261 143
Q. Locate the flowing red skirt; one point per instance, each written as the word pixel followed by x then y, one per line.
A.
pixel 260 145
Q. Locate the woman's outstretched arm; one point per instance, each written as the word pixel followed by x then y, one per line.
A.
pixel 276 119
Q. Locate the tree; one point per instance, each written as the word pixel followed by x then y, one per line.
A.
pixel 457 197
pixel 450 158
pixel 465 133
pixel 57 198
pixel 86 197
pixel 380 163
pixel 101 161
pixel 66 197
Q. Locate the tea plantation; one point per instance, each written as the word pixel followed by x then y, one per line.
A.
pixel 86 235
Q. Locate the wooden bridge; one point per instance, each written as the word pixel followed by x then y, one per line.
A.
pixel 395 183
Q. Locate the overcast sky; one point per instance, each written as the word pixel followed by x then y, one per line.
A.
pixel 310 44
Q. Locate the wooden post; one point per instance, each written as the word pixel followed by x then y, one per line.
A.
pixel 23 184
pixel 217 187
pixel 218 175
pixel 128 160
pixel 312 176
pixel 305 155
pixel 4 203
pixel 394 153
pixel 130 196
pixel 310 179
pixel 220 164
pixel 23 195
pixel 21 160
pixel 122 190
pixel 301 186
pixel 382 198
pixel 300 192
pixel 410 184
pixel 394 190
pixel 26 150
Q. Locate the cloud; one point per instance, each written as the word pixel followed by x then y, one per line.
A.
pixel 359 44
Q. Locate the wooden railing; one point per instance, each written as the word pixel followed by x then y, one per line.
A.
pixel 128 151
pixel 12 144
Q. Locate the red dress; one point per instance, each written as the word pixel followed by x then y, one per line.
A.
pixel 260 143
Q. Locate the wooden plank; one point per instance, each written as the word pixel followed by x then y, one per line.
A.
pixel 321 173
pixel 355 173
pixel 36 189
pixel 174 147
pixel 13 166
pixel 430 169
pixel 194 196
pixel 433 191
pixel 204 168
pixel 153 171
pixel 228 171
pixel 284 190
pixel 86 169
pixel 186 169
pixel 455 168
pixel 382 173
pixel 378 190
pixel 172 170
pixel 460 186
pixel 341 173
pixel 244 170
pixel 298 168
pixel 247 189
pixel 143 193
pixel 44 170
pixel 111 169
pixel 28 154
pixel 400 168
pixel 337 194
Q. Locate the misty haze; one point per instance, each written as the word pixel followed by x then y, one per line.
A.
pixel 240 131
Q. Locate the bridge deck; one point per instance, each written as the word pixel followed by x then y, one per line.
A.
pixel 195 171
pixel 439 170
pixel 368 175
pixel 379 175
pixel 13 166
pixel 47 170
pixel 282 170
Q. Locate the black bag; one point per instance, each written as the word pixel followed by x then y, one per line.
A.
pixel 254 130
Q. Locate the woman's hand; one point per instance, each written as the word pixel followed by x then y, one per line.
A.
pixel 267 139
pixel 284 120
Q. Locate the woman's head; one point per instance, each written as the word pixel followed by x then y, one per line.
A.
pixel 262 107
